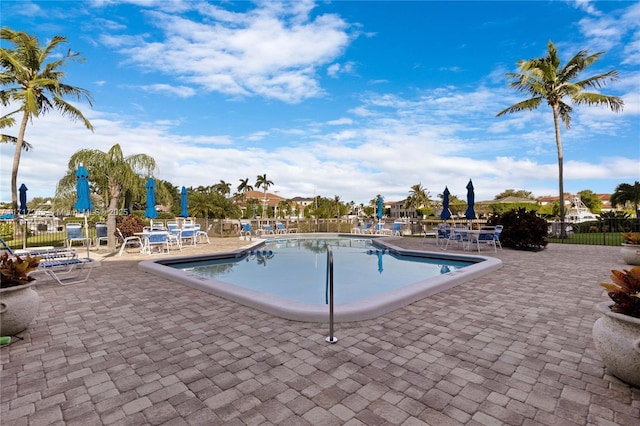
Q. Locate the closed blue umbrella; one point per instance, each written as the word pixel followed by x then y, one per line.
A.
pixel 470 213
pixel 150 212
pixel 83 204
pixel 23 199
pixel 445 213
pixel 183 203
pixel 380 207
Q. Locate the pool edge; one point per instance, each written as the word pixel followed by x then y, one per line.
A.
pixel 361 310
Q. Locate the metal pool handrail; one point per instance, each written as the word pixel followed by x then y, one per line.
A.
pixel 331 338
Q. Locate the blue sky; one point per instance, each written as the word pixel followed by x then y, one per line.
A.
pixel 338 98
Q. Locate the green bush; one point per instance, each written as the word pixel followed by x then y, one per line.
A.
pixel 6 229
pixel 522 229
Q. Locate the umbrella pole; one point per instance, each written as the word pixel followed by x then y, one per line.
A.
pixel 86 232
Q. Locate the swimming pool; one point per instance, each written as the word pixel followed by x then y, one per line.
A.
pixel 287 276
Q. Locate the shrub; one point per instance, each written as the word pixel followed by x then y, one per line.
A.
pixel 522 229
pixel 129 225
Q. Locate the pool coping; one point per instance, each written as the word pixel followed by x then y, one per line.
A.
pixel 360 310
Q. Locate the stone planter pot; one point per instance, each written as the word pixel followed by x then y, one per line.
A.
pixel 18 307
pixel 617 339
pixel 631 254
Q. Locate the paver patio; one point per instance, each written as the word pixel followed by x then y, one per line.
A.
pixel 513 347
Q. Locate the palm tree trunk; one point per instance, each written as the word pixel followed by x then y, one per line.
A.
pixel 556 123
pixel 14 175
pixel 114 196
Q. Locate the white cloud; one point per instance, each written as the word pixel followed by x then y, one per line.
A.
pixel 179 91
pixel 272 51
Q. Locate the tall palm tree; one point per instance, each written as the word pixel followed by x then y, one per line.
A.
pixel 627 193
pixel 34 87
pixel 546 80
pixel 111 173
pixel 262 181
pixel 244 186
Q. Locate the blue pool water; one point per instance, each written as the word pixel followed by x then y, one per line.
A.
pixel 287 277
pixel 295 269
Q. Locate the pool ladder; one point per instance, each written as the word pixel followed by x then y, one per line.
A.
pixel 331 338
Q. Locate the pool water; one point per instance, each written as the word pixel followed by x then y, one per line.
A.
pixel 296 269
pixel 287 277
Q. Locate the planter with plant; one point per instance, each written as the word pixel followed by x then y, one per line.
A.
pixel 19 303
pixel 616 334
pixel 630 250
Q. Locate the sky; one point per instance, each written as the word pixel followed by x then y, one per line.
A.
pixel 334 98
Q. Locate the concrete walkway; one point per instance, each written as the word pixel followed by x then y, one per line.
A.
pixel 511 348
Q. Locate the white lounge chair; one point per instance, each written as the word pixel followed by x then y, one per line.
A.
pixel 134 239
pixel 64 265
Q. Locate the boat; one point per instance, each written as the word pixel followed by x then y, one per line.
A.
pixel 578 212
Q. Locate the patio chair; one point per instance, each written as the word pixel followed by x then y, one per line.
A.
pixel 173 235
pixel 443 233
pixel 188 236
pixel 268 229
pixel 159 239
pixel 101 234
pixel 281 229
pixel 486 238
pixel 496 235
pixel 203 235
pixel 64 265
pixel 245 230
pixel 74 233
pixel 396 229
pixel 379 228
pixel 124 242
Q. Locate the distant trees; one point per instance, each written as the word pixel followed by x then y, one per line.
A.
pixel 520 193
pixel 546 81
pixel 591 200
pixel 627 193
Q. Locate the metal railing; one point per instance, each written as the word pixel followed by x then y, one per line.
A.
pixel 329 294
pixel 599 232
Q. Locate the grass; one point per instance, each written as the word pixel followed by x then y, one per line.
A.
pixel 591 238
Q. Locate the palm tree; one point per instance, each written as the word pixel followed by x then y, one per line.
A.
pixel 35 87
pixel 545 80
pixel 223 187
pixel 111 173
pixel 244 186
pixel 418 197
pixel 627 193
pixel 262 181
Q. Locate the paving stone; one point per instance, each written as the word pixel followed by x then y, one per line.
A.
pixel 506 350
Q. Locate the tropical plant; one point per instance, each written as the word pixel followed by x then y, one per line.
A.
pixel 546 80
pixel 631 238
pixel 34 87
pixel 627 193
pixel 625 291
pixel 15 270
pixel 111 173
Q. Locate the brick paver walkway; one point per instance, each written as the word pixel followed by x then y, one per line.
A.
pixel 511 348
